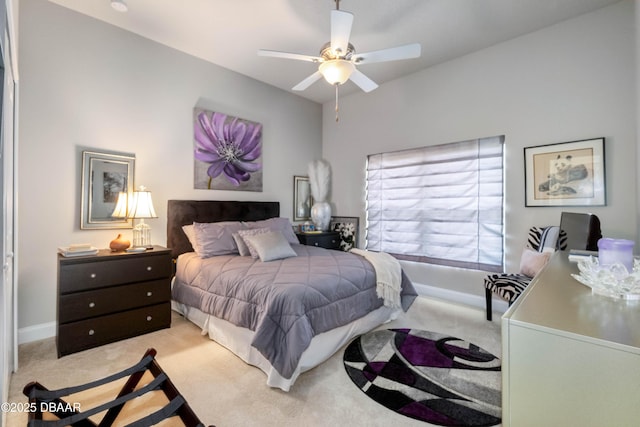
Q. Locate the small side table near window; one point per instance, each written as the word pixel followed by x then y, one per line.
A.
pixel 111 296
pixel 322 239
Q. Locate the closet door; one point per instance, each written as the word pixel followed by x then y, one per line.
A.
pixel 8 297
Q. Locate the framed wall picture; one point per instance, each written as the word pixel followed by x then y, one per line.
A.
pixel 565 174
pixel 302 199
pixel 348 227
pixel 227 152
pixel 104 177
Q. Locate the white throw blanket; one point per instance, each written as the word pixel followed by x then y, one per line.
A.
pixel 388 275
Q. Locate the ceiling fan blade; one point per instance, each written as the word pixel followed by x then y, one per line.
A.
pixel 364 82
pixel 287 55
pixel 308 81
pixel 407 51
pixel 340 31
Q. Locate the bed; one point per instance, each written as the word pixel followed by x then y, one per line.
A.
pixel 284 313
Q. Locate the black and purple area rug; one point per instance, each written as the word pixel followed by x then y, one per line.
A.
pixel 428 376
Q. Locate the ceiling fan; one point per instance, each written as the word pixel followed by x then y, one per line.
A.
pixel 338 57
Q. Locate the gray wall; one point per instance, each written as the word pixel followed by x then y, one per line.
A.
pixel 572 81
pixel 89 84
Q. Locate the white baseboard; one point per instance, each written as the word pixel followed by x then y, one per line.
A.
pixel 36 332
pixel 48 330
pixel 498 306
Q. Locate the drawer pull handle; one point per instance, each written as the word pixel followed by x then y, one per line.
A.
pixel 92 304
pixel 149 268
pixel 149 293
pixel 93 275
pixel 91 332
pixel 149 318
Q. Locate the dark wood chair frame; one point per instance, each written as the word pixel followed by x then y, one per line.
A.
pixel 42 398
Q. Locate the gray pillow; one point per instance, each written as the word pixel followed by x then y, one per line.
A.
pixel 243 249
pixel 276 224
pixel 270 246
pixel 216 238
pixel 248 246
pixel 190 233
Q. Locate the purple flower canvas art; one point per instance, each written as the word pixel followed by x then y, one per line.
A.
pixel 227 152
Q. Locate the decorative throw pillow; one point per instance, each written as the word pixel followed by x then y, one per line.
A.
pixel 216 238
pixel 243 249
pixel 252 232
pixel 532 262
pixel 270 246
pixel 276 224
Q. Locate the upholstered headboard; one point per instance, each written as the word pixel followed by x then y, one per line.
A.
pixel 183 212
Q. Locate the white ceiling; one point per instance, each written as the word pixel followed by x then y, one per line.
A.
pixel 229 32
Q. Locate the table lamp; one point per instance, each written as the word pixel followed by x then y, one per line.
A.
pixel 142 208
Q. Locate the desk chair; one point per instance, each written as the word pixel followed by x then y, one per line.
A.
pixel 508 286
pixel 576 231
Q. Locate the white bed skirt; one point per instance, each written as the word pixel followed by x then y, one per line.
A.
pixel 238 340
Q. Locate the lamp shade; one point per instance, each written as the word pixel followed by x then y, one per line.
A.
pixel 120 211
pixel 336 71
pixel 142 205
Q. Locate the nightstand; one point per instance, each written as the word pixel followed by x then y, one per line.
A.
pixel 112 296
pixel 325 239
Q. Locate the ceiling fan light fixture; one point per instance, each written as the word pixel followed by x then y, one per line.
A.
pixel 119 5
pixel 336 71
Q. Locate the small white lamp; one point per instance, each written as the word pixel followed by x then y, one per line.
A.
pixel 141 208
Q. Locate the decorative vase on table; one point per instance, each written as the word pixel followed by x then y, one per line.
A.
pixel 319 180
pixel 119 244
pixel 321 215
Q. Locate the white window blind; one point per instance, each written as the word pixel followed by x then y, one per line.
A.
pixel 441 204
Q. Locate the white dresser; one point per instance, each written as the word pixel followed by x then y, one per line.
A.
pixel 570 358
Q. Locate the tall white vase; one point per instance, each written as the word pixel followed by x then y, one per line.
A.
pixel 321 215
pixel 319 181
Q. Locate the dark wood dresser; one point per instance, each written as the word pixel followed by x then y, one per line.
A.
pixel 325 239
pixel 112 296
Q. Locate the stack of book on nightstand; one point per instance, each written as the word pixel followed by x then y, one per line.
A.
pixel 576 255
pixel 78 249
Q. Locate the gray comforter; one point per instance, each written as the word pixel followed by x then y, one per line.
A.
pixel 285 302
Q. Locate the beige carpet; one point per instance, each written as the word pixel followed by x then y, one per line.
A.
pixel 224 391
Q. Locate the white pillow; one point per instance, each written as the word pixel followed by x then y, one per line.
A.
pixel 531 262
pixel 270 246
pixel 216 238
pixel 251 232
pixel 276 224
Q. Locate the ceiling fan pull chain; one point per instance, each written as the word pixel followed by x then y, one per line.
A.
pixel 337 118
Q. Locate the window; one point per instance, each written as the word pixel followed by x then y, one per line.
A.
pixel 441 204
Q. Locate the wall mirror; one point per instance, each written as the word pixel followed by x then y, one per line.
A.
pixel 302 199
pixel 104 177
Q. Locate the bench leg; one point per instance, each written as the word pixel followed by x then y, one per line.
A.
pixel 488 296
